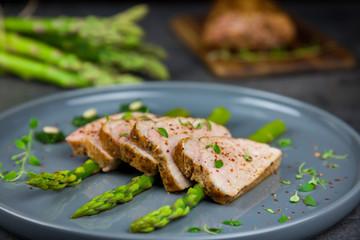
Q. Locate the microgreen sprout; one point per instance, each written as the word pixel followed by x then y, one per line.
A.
pixel 219 163
pixel 215 147
pixel 295 198
pixel 284 142
pixel 232 223
pixel 330 154
pixel 308 200
pixel 269 210
pixel 24 144
pixel 247 157
pixel 285 182
pixel 163 132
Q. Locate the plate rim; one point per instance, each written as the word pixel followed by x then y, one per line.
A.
pixel 352 197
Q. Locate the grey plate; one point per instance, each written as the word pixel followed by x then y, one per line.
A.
pixel 36 214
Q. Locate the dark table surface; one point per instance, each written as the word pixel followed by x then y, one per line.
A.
pixel 336 92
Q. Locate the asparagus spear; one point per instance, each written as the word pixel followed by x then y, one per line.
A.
pixel 114 30
pixel 159 218
pixel 269 132
pixel 30 69
pixel 140 59
pixel 60 179
pixel 162 216
pixel 51 55
pixel 110 199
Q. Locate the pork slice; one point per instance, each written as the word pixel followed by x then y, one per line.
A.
pixel 196 160
pixel 115 138
pixel 86 141
pixel 146 134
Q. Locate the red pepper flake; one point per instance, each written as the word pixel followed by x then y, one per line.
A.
pixel 293 212
pixel 315 148
pixel 303 212
pixel 327 199
pixel 42 166
pixel 279 210
pixel 317 154
pixel 320 174
pixel 276 200
pixel 269 223
pixel 337 179
pixel 289 166
pixel 30 188
pixel 289 218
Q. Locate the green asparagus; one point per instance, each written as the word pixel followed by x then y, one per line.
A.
pixel 110 199
pixel 113 31
pixel 140 59
pixel 51 55
pixel 61 179
pixel 159 218
pixel 30 69
pixel 269 132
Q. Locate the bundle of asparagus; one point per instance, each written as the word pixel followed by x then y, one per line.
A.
pixel 80 52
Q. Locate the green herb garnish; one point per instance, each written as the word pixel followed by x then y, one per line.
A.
pixel 209 124
pixel 301 172
pixel 295 198
pixel 123 134
pixel 81 121
pixel 269 210
pixel 215 147
pixel 283 219
pixel 163 132
pixel 219 163
pixel 333 165
pixel 212 230
pixel 107 117
pixel 127 115
pixel 330 154
pixel 232 223
pixel 307 187
pixel 285 182
pixel 194 230
pixel 308 200
pixel 206 229
pixel 247 157
pixel 200 125
pixel 177 112
pixel 49 138
pixel 186 124
pixel 134 106
pixel 24 144
pixel 285 142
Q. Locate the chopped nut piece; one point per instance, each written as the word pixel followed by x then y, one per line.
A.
pixel 51 130
pixel 135 105
pixel 90 113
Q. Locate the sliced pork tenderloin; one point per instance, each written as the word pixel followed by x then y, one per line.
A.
pixel 146 134
pixel 115 138
pixel 86 141
pixel 245 164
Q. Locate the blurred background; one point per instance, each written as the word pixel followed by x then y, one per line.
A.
pixel 318 64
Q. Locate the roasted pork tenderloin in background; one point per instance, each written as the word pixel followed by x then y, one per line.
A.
pixel 146 135
pixel 115 138
pixel 244 24
pixel 86 141
pixel 245 164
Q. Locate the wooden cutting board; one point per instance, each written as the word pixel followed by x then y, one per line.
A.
pixel 331 57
